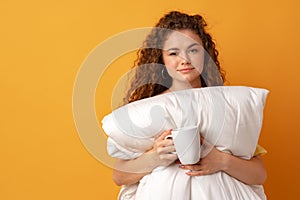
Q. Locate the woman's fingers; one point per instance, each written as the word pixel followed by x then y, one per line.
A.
pixel 164 134
pixel 198 173
pixel 195 167
pixel 166 149
pixel 195 170
pixel 162 142
pixel 169 156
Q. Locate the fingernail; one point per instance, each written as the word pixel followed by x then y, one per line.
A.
pixel 181 166
pixel 189 172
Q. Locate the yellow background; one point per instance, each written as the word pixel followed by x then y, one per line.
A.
pixel 43 44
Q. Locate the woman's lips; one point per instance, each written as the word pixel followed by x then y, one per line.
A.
pixel 186 70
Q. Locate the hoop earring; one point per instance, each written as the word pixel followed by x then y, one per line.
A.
pixel 163 74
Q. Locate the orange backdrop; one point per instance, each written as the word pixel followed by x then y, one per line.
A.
pixel 43 45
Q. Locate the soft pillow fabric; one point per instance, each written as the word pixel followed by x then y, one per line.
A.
pixel 229 117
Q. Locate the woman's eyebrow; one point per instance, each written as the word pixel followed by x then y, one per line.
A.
pixel 194 44
pixel 173 49
pixel 177 49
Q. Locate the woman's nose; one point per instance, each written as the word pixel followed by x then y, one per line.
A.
pixel 185 62
pixel 185 59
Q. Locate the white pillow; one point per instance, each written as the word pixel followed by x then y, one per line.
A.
pixel 229 117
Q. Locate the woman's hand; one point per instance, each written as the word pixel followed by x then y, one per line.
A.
pixel 162 150
pixel 128 172
pixel 251 172
pixel 213 162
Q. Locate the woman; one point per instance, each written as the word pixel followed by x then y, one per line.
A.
pixel 179 54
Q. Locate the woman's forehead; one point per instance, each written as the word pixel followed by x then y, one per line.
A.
pixel 182 38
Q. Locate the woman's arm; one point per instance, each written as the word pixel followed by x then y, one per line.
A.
pixel 250 172
pixel 128 172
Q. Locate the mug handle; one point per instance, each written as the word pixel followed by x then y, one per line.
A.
pixel 169 137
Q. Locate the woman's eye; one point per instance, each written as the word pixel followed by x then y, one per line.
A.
pixel 173 54
pixel 193 51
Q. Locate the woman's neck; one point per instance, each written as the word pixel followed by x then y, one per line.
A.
pixel 184 85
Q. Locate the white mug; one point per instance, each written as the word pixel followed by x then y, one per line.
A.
pixel 187 144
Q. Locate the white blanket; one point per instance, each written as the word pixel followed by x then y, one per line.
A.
pixel 229 117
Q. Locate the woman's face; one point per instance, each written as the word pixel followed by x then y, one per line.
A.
pixel 183 55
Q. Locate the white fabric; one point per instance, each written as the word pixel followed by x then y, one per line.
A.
pixel 171 183
pixel 229 117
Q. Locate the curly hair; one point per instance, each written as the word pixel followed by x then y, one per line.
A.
pixel 151 77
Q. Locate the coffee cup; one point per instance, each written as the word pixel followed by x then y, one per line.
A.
pixel 187 144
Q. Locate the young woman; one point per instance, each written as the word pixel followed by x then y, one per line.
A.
pixel 179 54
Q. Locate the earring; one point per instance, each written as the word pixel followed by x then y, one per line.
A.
pixel 163 73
